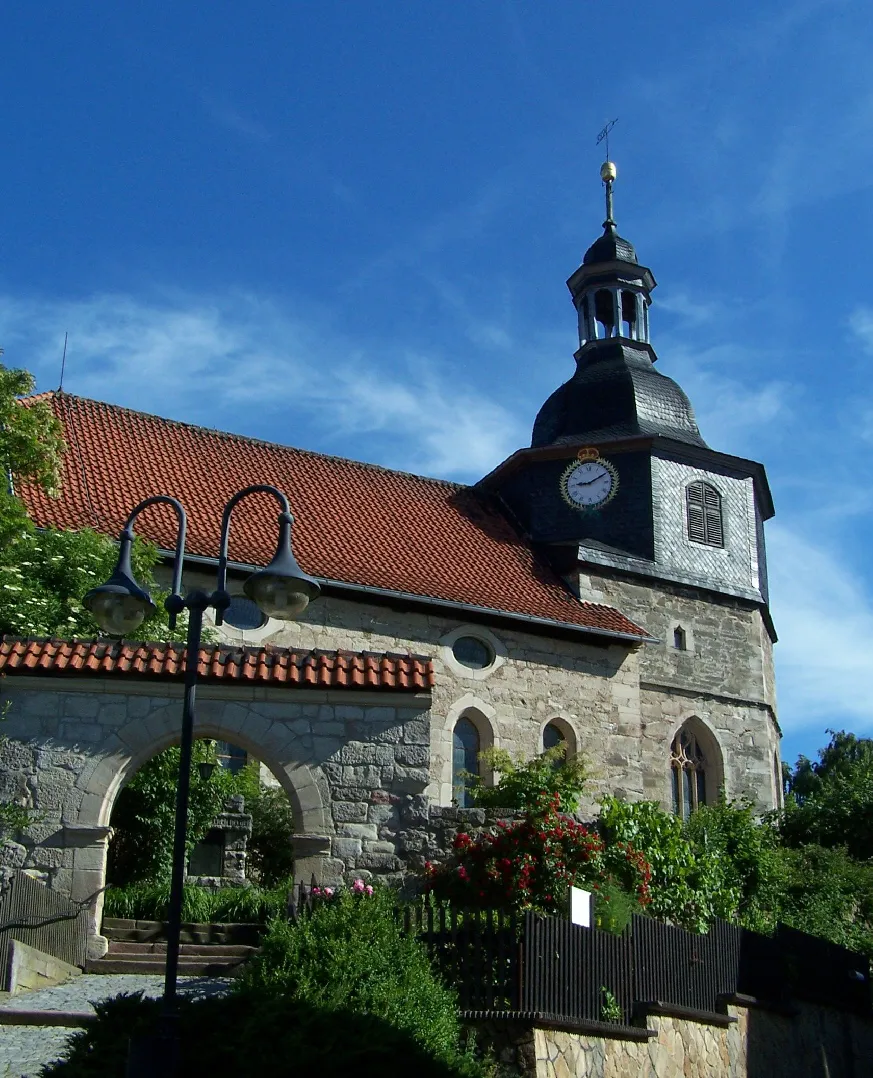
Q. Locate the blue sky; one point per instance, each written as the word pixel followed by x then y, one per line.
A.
pixel 347 226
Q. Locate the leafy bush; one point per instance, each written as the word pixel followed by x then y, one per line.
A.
pixel 532 863
pixel 825 893
pixel 718 865
pixel 227 905
pixel 241 1036
pixel 528 785
pixel 350 954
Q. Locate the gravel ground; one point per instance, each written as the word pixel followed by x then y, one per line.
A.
pixel 25 1049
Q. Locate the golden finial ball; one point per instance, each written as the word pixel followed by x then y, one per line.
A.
pixel 608 171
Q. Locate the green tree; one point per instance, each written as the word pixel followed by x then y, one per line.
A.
pixel 45 573
pixel 143 818
pixel 270 853
pixel 830 801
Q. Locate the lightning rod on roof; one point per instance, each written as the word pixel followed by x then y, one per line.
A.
pixel 63 364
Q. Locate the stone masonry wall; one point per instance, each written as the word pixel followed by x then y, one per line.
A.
pixel 814 1042
pixel 353 764
pixel 622 705
pixel 724 676
pixel 593 688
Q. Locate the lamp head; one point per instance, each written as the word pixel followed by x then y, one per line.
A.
pixel 282 590
pixel 205 769
pixel 120 605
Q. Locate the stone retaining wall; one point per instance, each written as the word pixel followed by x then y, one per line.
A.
pixel 809 1042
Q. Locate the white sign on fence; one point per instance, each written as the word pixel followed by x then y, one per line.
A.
pixel 581 907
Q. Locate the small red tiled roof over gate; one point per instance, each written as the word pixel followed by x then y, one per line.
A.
pixel 219 662
pixel 356 524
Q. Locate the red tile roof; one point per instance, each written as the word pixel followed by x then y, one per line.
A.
pixel 262 665
pixel 356 524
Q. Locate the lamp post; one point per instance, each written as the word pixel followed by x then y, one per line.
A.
pixel 282 590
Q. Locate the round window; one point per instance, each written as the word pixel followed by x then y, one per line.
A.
pixel 244 614
pixel 472 652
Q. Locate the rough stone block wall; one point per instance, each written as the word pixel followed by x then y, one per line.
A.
pixel 724 676
pixel 594 688
pixel 354 765
pixel 815 1042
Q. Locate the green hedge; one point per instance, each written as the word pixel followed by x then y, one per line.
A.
pixel 236 905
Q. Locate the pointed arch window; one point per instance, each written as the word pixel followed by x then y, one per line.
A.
pixel 704 514
pixel 465 760
pixel 688 771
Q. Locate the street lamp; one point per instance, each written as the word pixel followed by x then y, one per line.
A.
pixel 282 590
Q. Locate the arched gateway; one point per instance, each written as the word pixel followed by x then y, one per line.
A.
pixel 344 733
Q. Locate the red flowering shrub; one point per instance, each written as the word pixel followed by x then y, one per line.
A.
pixel 533 862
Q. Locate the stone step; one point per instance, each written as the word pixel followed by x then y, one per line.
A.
pixel 123 929
pixel 210 950
pixel 189 966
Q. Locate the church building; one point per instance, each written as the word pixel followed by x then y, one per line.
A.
pixel 605 586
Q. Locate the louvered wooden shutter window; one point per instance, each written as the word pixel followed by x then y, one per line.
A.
pixel 703 507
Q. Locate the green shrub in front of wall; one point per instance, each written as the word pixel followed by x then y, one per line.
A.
pixel 350 954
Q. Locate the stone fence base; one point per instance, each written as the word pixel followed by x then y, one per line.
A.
pixel 749 1041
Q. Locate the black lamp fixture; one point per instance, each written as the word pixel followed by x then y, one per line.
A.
pixel 205 769
pixel 283 591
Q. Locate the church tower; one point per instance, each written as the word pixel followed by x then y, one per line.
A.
pixel 630 504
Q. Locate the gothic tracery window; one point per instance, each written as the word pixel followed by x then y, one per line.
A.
pixel 688 770
pixel 703 513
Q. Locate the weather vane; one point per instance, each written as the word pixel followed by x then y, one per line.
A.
pixel 604 136
pixel 608 172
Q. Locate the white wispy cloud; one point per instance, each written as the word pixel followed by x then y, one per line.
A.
pixel 824 615
pixel 245 362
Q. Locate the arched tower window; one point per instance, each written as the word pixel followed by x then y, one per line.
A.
pixel 629 315
pixel 695 768
pixel 703 513
pixel 680 639
pixel 604 312
pixel 465 759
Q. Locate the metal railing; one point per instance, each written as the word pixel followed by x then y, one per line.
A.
pixel 33 914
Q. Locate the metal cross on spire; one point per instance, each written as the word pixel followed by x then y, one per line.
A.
pixel 608 172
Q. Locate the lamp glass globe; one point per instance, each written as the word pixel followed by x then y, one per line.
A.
pixel 279 597
pixel 118 615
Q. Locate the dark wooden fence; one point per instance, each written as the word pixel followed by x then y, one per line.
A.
pixel 32 913
pixel 548 966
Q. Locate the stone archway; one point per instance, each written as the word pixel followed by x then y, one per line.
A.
pixel 88 805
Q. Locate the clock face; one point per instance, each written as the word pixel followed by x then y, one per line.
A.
pixel 589 484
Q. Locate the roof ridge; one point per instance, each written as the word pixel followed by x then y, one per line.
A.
pixel 230 435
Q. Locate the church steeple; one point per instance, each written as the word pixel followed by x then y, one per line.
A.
pixel 615 392
pixel 611 290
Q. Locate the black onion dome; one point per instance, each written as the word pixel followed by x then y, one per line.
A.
pixel 616 393
pixel 610 247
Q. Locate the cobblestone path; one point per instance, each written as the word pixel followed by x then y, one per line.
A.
pixel 24 1049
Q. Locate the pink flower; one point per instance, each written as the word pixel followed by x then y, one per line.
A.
pixel 328 892
pixel 358 887
pixel 368 889
pixel 316 890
